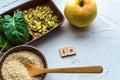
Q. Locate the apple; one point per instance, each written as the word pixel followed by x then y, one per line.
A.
pixel 80 13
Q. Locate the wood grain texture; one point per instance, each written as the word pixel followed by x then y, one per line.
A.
pixel 35 70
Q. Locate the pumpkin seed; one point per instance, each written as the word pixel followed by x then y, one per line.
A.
pixel 40 19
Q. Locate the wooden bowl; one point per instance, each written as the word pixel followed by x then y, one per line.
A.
pixel 21 48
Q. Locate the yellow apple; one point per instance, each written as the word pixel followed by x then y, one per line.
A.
pixel 80 13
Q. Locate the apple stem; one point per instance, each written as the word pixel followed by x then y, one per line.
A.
pixel 81 3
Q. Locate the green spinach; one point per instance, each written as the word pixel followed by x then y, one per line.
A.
pixel 1 23
pixel 15 28
pixel 4 44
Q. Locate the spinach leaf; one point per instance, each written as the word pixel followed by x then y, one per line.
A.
pixel 1 23
pixel 4 44
pixel 15 28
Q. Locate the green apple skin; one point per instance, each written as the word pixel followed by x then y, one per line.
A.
pixel 80 16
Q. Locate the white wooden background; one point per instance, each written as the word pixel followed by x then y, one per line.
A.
pixel 99 44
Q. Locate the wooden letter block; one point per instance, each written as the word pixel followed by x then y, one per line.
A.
pixel 63 52
pixel 67 51
pixel 71 50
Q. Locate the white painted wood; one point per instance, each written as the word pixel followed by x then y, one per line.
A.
pixel 99 44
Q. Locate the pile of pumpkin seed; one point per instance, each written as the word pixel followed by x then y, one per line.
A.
pixel 40 19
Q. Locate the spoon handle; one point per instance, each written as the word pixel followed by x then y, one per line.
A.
pixel 86 69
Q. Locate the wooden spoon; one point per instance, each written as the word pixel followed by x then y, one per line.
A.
pixel 34 70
